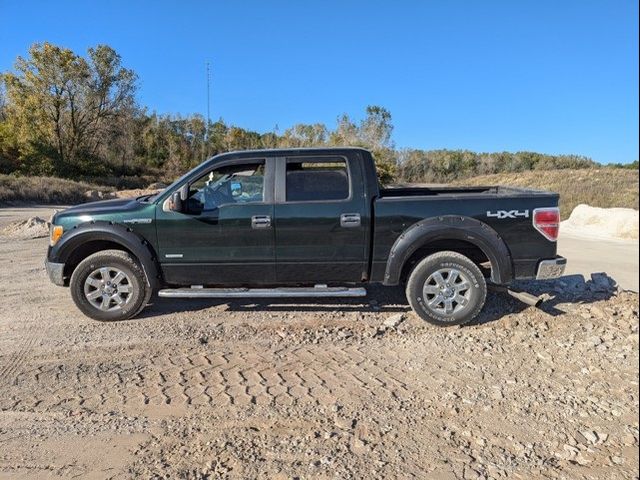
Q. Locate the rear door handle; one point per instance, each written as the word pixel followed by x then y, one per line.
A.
pixel 260 221
pixel 350 220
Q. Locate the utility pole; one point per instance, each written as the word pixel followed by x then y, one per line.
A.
pixel 208 99
pixel 206 129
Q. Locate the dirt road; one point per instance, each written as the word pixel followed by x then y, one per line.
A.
pixel 211 389
pixel 619 258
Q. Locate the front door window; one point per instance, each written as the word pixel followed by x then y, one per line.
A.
pixel 233 184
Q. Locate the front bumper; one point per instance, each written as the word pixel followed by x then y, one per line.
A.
pixel 55 272
pixel 549 269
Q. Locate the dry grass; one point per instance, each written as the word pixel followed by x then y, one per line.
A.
pixel 601 187
pixel 45 190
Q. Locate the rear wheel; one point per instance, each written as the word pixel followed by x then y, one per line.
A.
pixel 109 285
pixel 446 288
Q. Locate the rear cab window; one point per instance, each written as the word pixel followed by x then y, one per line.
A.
pixel 316 179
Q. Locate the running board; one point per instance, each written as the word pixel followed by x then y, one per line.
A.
pixel 198 292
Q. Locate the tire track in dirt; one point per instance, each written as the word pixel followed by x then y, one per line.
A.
pixel 15 360
pixel 315 375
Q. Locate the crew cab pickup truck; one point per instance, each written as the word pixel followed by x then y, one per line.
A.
pixel 303 223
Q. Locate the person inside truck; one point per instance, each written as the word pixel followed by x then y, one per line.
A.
pixel 224 186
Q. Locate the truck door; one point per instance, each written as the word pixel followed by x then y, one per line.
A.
pixel 320 220
pixel 224 235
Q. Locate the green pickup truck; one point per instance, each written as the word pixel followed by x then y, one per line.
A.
pixel 303 223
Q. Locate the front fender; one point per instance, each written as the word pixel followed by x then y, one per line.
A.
pixel 110 232
pixel 450 227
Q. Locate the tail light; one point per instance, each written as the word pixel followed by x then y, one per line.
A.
pixel 547 222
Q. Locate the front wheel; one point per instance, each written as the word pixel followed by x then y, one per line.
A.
pixel 110 285
pixel 446 288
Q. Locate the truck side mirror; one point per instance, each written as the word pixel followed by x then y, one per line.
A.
pixel 176 202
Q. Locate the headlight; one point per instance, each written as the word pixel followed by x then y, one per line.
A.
pixel 55 232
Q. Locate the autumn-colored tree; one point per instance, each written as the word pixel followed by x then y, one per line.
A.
pixel 374 133
pixel 63 107
pixel 304 135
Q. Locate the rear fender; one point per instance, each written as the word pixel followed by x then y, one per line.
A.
pixel 450 227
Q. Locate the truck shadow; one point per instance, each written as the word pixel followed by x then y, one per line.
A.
pixel 558 295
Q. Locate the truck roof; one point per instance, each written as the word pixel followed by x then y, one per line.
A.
pixel 277 152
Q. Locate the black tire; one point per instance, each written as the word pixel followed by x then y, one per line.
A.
pixel 424 289
pixel 134 300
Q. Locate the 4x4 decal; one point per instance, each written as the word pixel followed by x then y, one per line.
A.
pixel 502 214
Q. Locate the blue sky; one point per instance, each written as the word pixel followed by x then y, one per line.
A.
pixel 547 76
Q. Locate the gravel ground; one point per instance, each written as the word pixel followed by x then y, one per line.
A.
pixel 359 389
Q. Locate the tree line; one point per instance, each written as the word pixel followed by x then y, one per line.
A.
pixel 73 116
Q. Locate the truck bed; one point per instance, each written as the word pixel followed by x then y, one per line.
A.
pixel 397 208
pixel 446 190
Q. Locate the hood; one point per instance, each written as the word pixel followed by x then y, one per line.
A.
pixel 102 207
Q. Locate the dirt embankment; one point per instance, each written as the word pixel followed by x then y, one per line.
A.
pixel 18 190
pixel 600 187
pixel 316 389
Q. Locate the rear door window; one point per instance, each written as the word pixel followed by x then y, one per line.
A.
pixel 317 179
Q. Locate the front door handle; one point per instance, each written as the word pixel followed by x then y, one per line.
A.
pixel 350 220
pixel 260 221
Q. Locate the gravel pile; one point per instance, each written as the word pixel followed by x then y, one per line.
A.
pixel 33 227
pixel 606 223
